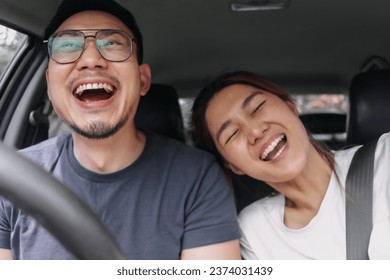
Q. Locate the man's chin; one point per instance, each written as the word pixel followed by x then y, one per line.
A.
pixel 97 130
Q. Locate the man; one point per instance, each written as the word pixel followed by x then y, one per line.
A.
pixel 161 199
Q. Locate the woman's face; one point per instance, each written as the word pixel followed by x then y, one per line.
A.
pixel 258 133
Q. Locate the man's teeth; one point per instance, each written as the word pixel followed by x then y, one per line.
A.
pixel 272 146
pixel 81 88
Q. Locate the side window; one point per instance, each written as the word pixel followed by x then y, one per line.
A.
pixel 325 116
pixel 315 103
pixel 11 42
pixel 185 107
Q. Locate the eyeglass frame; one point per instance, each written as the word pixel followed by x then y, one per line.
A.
pixel 131 40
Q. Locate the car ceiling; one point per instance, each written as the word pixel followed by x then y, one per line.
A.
pixel 310 47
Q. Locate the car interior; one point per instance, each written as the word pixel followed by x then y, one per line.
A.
pixel 307 48
pixel 332 50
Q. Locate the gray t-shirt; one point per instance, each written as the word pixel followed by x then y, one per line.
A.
pixel 173 197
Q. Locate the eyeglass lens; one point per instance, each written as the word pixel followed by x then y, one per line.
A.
pixel 68 46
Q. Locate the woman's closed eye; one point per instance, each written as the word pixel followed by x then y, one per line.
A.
pixel 258 107
pixel 235 132
pixel 231 136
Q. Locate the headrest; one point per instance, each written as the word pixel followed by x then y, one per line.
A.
pixel 369 113
pixel 159 112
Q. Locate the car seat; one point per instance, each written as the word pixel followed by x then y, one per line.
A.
pixel 369 109
pixel 159 112
pixel 327 128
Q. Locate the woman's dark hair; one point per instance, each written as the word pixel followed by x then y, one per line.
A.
pixel 200 132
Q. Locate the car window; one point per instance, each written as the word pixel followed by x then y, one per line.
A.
pixel 325 103
pixel 185 107
pixel 11 42
pixel 325 116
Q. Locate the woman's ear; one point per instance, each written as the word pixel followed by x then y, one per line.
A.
pixel 234 168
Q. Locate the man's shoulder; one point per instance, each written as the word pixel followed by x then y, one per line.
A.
pixel 46 150
pixel 179 149
pixel 179 157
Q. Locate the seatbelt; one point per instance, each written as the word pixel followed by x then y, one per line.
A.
pixel 358 203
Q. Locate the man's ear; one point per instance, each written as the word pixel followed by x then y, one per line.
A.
pixel 146 78
pixel 234 168
pixel 47 83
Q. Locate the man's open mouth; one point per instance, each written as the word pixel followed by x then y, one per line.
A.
pixel 93 92
pixel 275 148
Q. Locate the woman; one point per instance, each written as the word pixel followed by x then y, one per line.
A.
pixel 253 128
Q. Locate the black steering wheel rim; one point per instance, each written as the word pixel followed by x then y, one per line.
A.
pixel 39 194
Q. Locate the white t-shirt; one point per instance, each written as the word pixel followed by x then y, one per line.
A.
pixel 264 235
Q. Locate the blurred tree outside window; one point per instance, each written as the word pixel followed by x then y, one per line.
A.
pixel 309 103
pixel 11 42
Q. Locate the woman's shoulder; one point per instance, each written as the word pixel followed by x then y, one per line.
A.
pixel 344 157
pixel 382 157
pixel 384 139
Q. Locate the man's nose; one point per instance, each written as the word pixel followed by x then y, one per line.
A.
pixel 91 57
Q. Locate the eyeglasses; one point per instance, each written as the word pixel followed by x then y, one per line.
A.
pixel 67 46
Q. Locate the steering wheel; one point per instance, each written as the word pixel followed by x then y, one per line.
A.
pixel 39 194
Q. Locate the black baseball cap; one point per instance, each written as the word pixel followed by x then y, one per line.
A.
pixel 70 7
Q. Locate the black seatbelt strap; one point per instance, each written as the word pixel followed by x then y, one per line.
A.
pixel 359 195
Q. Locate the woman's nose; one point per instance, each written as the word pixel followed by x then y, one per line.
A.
pixel 256 132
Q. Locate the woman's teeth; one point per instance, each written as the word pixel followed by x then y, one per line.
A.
pixel 272 147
